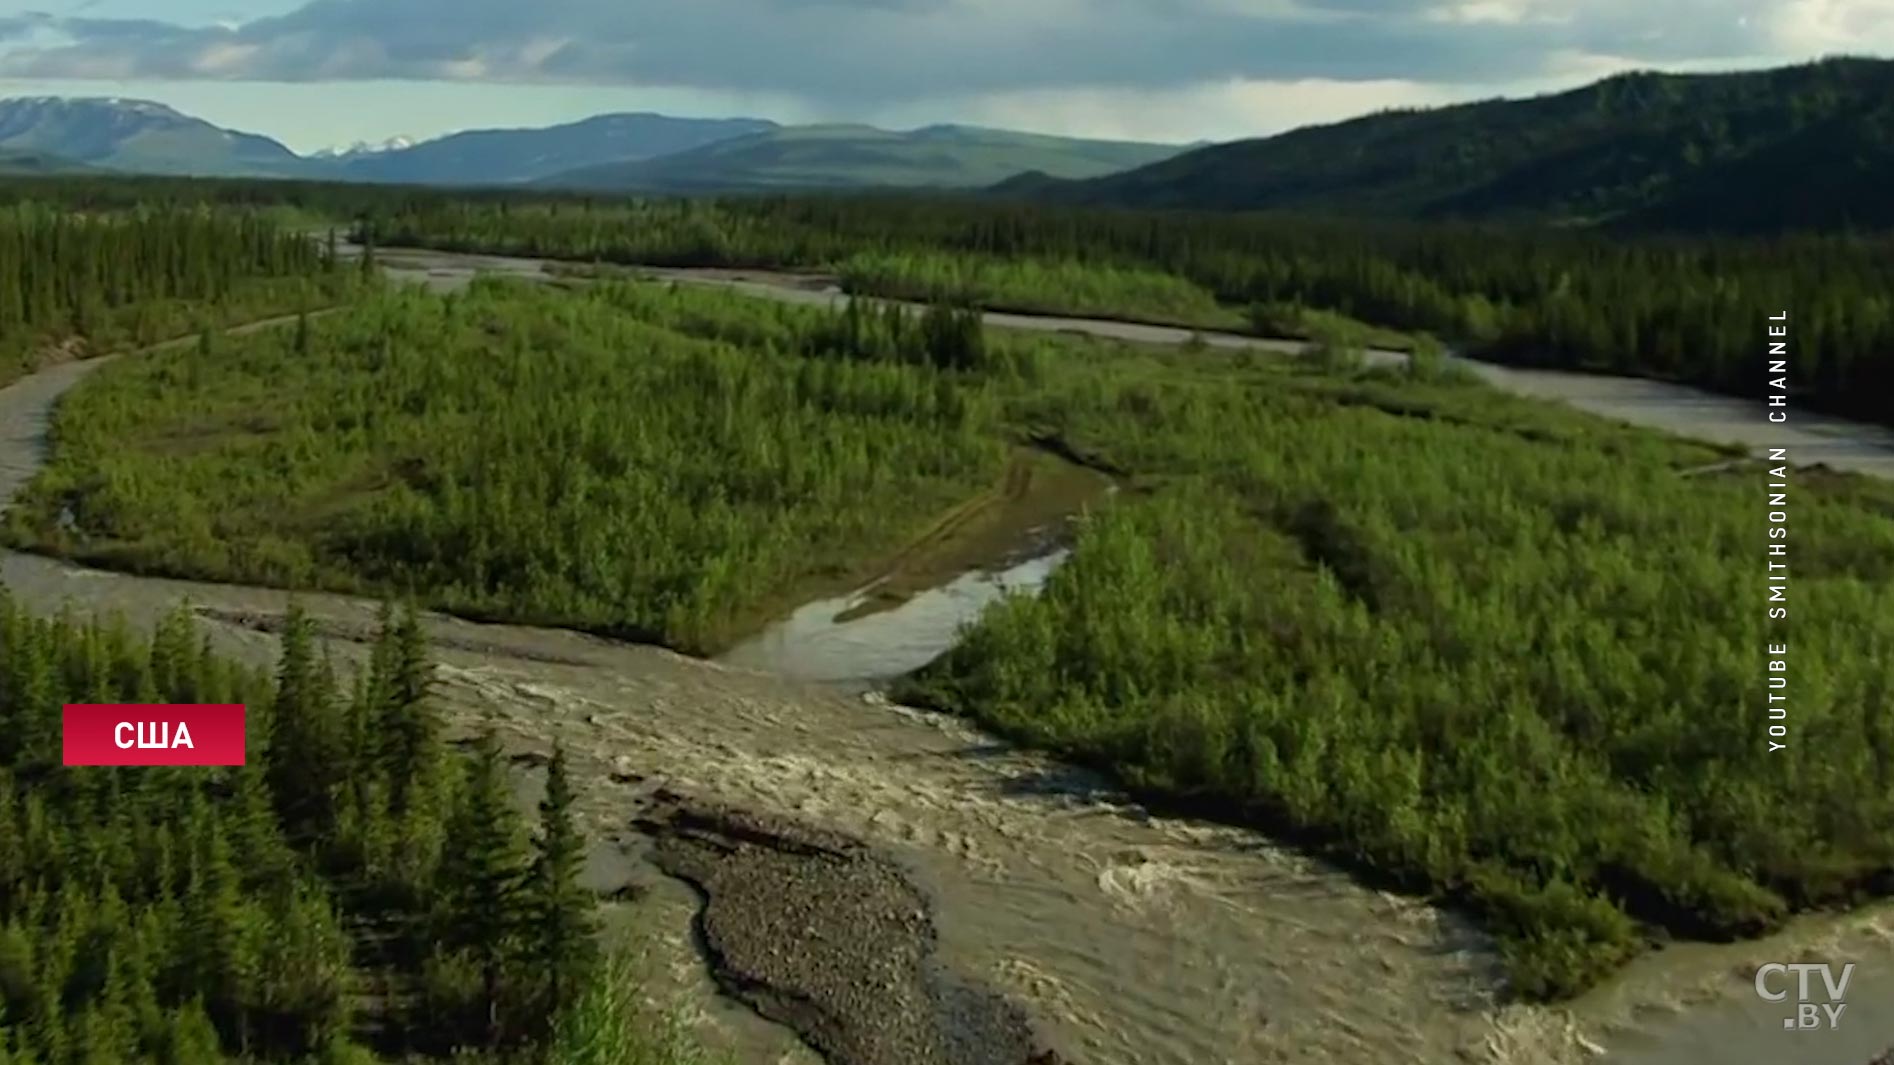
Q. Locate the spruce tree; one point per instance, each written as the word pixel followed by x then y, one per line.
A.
pixel 307 733
pixel 412 728
pixel 562 944
pixel 192 1039
pixel 482 876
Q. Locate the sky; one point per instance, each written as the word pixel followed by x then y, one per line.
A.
pixel 322 73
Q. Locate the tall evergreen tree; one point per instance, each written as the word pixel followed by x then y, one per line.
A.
pixel 561 940
pixel 412 725
pixel 483 876
pixel 307 732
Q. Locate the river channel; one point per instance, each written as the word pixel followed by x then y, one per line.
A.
pixel 1130 938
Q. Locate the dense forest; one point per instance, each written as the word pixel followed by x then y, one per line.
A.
pixel 1465 644
pixel 357 891
pixel 1688 309
pixel 1801 147
pixel 73 284
pixel 312 201
pixel 1670 307
pixel 1473 645
pixel 652 463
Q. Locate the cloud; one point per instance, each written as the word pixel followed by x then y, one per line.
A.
pixel 1220 111
pixel 1818 26
pixel 905 50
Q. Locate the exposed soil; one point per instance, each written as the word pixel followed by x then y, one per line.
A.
pixel 1038 496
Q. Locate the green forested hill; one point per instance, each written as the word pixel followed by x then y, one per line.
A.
pixel 1803 146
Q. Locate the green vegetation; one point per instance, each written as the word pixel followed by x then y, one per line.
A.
pixel 1467 646
pixel 663 464
pixel 307 906
pixel 1799 147
pixel 858 157
pixel 1038 286
pixel 73 286
pixel 1691 310
pixel 1475 646
pixel 1327 327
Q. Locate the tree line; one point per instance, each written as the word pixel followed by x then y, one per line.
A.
pixel 1683 308
pixel 356 890
pixel 666 464
pixel 74 282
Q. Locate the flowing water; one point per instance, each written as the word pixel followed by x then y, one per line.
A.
pixel 822 641
pixel 1133 939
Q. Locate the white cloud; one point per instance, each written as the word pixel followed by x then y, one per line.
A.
pixel 1227 110
pixel 1504 12
pixel 223 58
pixel 1817 27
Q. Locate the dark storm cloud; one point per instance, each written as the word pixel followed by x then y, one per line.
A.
pixel 886 50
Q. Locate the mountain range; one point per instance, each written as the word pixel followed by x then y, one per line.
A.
pixel 112 133
pixel 631 152
pixel 850 156
pixel 1804 146
pixel 1809 146
pixel 511 156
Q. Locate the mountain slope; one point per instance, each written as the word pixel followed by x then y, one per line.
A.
pixel 139 135
pixel 1724 150
pixel 25 161
pixel 846 156
pixel 506 156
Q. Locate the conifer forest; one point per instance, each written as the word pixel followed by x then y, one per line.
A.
pixel 72 285
pixel 375 895
pixel 1667 307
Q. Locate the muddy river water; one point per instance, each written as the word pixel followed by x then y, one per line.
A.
pixel 1131 939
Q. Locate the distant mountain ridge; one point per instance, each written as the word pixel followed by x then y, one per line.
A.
pixel 511 156
pixel 1804 146
pixel 361 148
pixel 139 135
pixel 630 152
pixel 844 156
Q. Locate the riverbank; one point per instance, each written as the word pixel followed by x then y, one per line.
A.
pixel 1812 438
pixel 1166 880
pixel 1186 934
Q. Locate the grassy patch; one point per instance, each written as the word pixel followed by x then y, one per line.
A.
pixel 664 464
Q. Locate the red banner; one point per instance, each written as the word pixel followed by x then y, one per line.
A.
pixel 154 734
